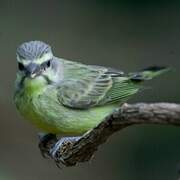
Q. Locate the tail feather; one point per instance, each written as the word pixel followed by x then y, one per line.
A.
pixel 148 73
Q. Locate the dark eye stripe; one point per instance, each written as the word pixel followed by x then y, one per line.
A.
pixel 20 66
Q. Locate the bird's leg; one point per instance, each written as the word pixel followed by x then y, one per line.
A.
pixel 45 141
pixel 57 146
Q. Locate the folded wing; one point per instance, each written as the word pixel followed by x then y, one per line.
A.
pixel 90 86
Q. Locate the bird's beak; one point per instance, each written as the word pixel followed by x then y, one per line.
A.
pixel 32 70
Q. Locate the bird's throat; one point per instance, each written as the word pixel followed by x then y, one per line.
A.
pixel 32 85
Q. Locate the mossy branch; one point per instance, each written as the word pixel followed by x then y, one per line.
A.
pixel 82 150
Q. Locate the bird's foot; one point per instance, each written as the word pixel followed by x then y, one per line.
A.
pixel 45 140
pixel 55 149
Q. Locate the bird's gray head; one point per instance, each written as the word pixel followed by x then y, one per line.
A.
pixel 34 58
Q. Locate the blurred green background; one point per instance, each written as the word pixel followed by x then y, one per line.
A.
pixel 128 35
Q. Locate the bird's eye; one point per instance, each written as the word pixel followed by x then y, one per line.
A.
pixel 20 66
pixel 48 63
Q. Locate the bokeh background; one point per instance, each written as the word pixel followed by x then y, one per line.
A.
pixel 124 34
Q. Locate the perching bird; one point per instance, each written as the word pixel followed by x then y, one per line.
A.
pixel 69 98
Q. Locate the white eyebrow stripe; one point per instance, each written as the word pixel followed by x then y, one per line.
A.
pixel 23 61
pixel 45 58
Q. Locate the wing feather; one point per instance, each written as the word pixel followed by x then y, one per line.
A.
pixel 89 86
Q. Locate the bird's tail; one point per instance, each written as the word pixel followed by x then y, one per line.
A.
pixel 148 73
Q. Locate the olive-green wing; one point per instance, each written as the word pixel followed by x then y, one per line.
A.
pixel 96 86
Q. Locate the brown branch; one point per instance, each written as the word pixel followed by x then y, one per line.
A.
pixel 81 151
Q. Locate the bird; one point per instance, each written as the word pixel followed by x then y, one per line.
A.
pixel 68 98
